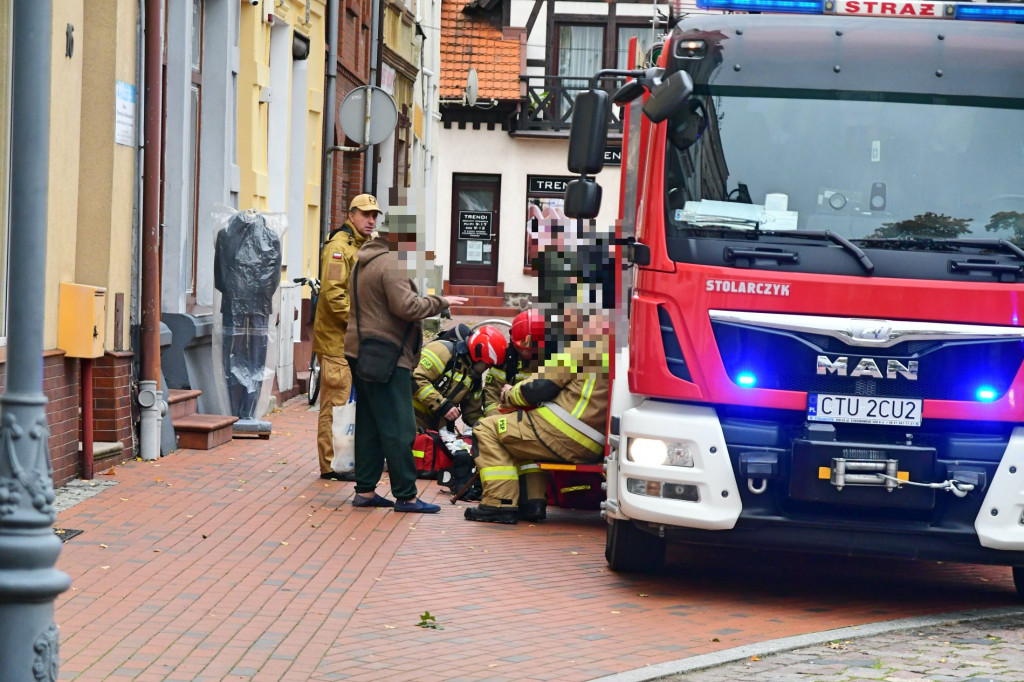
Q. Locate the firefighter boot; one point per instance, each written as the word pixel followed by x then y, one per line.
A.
pixel 490 514
pixel 533 510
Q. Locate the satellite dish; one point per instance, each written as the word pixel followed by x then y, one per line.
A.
pixel 471 87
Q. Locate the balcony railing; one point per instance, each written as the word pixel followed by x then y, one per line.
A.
pixel 548 104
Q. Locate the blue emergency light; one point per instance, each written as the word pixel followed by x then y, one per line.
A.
pixel 789 6
pixel 985 394
pixel 970 11
pixel 982 12
pixel 746 379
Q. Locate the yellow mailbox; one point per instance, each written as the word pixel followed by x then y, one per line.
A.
pixel 81 320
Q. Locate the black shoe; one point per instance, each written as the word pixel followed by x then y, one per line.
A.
pixel 489 514
pixel 533 510
pixel 335 476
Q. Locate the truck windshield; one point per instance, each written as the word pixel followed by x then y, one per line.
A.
pixel 874 170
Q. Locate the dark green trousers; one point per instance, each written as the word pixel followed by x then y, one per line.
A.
pixel 385 430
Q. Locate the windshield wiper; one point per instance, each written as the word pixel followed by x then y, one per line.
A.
pixel 931 244
pixel 846 244
pixel 842 241
pixel 1004 244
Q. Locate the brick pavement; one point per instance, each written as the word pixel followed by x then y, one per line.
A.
pixel 239 563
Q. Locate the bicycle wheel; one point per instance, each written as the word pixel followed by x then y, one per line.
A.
pixel 313 386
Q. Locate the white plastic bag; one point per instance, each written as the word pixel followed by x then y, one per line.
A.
pixel 343 428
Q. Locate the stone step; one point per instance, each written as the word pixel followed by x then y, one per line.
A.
pixel 485 311
pixel 182 402
pixel 203 431
pixel 474 289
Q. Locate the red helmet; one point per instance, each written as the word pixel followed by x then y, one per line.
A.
pixel 527 329
pixel 487 345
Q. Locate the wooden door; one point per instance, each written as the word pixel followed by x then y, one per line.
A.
pixel 476 202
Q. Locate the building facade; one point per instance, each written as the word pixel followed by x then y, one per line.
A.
pixel 512 69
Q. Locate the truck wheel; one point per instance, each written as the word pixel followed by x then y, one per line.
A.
pixel 630 550
pixel 1018 581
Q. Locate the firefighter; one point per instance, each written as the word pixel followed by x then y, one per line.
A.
pixel 522 360
pixel 448 382
pixel 558 415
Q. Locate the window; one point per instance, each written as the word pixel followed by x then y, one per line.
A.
pixel 192 179
pixel 643 34
pixel 580 50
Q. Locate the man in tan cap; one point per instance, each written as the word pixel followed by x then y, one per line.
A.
pixel 337 257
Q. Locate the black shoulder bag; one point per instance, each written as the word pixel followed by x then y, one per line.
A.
pixel 378 357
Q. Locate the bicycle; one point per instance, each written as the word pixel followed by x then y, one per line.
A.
pixel 313 384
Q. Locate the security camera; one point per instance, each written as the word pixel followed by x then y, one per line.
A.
pixel 254 2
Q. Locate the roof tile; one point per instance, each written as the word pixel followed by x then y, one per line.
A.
pixel 471 41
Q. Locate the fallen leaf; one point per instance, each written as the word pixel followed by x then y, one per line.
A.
pixel 614 611
pixel 641 594
pixel 283 542
pixel 157 551
pixel 574 552
pixel 112 471
pixel 942 660
pixel 159 480
pixel 205 536
pixel 716 640
pixel 123 499
pixel 103 546
pixel 754 658
pixel 104 567
pixel 389 627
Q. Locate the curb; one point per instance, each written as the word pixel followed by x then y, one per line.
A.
pixel 777 646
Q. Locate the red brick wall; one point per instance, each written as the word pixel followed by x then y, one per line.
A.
pixel 353 71
pixel 62 386
pixel 63 390
pixel 112 402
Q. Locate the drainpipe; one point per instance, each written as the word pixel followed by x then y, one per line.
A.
pixel 149 344
pixel 376 58
pixel 327 193
pixel 29 580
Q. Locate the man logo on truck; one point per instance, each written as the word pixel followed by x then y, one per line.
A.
pixel 867 367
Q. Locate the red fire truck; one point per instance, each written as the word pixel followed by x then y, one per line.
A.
pixel 821 236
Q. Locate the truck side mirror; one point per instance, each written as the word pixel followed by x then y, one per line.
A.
pixel 666 98
pixel 582 198
pixel 589 132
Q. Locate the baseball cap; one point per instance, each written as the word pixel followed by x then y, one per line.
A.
pixel 365 203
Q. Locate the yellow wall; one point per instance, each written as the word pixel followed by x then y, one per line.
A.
pixel 106 183
pixel 65 137
pixel 253 76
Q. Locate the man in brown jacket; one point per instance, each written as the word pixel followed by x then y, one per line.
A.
pixel 337 257
pixel 386 305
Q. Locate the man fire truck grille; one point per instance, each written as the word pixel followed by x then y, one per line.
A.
pixel 795 361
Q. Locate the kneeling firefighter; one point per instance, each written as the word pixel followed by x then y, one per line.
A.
pixel 448 382
pixel 524 358
pixel 558 414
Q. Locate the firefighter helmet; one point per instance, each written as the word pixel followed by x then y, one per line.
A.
pixel 487 345
pixel 527 329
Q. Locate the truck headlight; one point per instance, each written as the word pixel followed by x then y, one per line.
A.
pixel 655 452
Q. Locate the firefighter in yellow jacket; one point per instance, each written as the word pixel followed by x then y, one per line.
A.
pixel 330 322
pixel 558 415
pixel 522 360
pixel 447 384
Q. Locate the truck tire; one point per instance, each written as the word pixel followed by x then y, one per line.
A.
pixel 1018 581
pixel 630 550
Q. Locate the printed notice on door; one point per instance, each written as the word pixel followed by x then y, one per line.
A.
pixel 474 225
pixel 124 114
pixel 474 251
